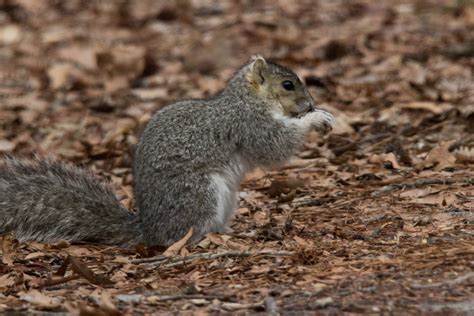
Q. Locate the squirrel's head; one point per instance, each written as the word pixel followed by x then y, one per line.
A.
pixel 280 87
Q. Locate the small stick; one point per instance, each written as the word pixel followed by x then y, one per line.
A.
pixel 458 280
pixel 57 281
pixel 151 259
pixel 419 183
pixel 184 260
pixel 174 261
pixel 164 298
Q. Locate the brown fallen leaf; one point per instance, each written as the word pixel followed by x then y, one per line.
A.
pixel 303 163
pixel 285 186
pixel 242 211
pixel 7 280
pixel 35 255
pixel 216 239
pixel 358 63
pixel 6 146
pixel 81 54
pixel 105 306
pixel 6 254
pixel 106 302
pixel 439 157
pixel 384 158
pixel 121 64
pixel 78 251
pixel 256 174
pixel 116 83
pixel 81 269
pixel 174 249
pixel 10 34
pixel 442 199
pixel 302 242
pixel 236 246
pixel 417 192
pixel 224 240
pixel 65 75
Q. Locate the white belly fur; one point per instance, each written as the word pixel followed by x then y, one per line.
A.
pixel 226 185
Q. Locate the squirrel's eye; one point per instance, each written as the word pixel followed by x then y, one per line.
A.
pixel 288 85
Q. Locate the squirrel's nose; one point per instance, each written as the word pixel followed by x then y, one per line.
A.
pixel 306 106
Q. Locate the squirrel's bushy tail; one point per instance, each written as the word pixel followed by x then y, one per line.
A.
pixel 47 201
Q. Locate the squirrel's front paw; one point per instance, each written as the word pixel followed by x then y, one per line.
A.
pixel 321 121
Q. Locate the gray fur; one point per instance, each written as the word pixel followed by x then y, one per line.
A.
pixel 48 201
pixel 188 141
pixel 187 169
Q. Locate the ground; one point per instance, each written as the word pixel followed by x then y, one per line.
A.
pixel 376 217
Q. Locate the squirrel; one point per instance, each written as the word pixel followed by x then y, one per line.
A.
pixel 187 167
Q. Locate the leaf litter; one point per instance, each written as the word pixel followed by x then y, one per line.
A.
pixel 376 217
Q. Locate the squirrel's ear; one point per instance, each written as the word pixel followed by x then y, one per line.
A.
pixel 257 68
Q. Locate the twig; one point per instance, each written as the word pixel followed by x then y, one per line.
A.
pixel 236 306
pixel 57 281
pixel 164 298
pixel 458 280
pixel 230 254
pixel 151 259
pixel 419 183
pixel 461 308
pixel 315 202
pixel 175 261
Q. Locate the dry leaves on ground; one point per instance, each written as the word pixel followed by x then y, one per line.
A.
pixel 376 217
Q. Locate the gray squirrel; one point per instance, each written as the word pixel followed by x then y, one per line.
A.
pixel 187 168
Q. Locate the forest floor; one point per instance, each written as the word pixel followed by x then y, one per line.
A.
pixel 376 217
